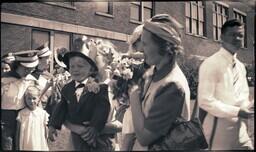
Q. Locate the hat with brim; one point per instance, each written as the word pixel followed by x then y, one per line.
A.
pixel 27 58
pixel 8 58
pixel 43 51
pixel 58 56
pixel 71 54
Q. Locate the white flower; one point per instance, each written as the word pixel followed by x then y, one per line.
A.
pixel 127 74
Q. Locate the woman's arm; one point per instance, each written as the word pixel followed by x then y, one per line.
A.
pixel 167 106
pixel 17 139
pixel 78 129
pixel 144 136
pixel 110 127
pixel 46 132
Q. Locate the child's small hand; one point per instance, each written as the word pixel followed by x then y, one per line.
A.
pixel 90 136
pixel 51 133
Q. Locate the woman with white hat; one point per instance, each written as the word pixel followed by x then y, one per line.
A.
pixel 13 87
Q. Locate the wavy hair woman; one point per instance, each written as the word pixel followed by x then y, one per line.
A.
pixel 165 93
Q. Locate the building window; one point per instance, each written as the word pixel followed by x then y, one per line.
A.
pixel 220 16
pixel 39 38
pixel 195 18
pixel 61 40
pixel 141 11
pixel 105 7
pixel 242 17
pixel 55 40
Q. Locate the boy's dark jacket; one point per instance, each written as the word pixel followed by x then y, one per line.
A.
pixel 91 107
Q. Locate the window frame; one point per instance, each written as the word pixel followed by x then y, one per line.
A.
pixel 52 42
pixel 244 21
pixel 64 5
pixel 190 19
pixel 109 13
pixel 141 6
pixel 216 14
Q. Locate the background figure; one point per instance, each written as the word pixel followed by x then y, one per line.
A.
pixel 13 87
pixel 61 77
pixel 128 134
pixel 165 94
pixel 41 74
pixel 224 93
pixel 32 123
pixel 7 62
pixel 5 67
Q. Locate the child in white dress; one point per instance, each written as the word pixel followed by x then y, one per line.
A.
pixel 32 123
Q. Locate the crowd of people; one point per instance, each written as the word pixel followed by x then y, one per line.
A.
pixel 123 101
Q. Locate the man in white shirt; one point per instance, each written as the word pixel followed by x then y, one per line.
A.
pixel 224 93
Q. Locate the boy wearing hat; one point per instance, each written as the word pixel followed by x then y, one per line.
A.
pixel 79 104
pixel 13 86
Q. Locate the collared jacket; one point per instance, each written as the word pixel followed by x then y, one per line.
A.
pixel 90 107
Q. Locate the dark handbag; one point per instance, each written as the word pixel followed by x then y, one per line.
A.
pixel 183 135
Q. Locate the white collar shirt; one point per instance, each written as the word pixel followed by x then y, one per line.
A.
pixel 216 93
pixel 79 91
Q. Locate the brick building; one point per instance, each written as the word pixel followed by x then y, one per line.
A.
pixel 27 25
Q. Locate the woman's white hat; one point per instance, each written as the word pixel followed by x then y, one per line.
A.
pixel 43 51
pixel 27 58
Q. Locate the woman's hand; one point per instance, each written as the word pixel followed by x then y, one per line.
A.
pixel 134 92
pixel 51 133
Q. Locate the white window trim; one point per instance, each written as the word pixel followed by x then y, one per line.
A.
pixel 197 19
pixel 104 14
pixel 240 12
pixel 142 12
pixel 214 11
pixel 222 3
pixel 61 26
pixel 61 5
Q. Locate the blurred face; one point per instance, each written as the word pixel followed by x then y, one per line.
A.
pixel 79 68
pixel 5 67
pixel 233 37
pixel 24 71
pixel 150 48
pixel 43 63
pixel 31 100
pixel 137 46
